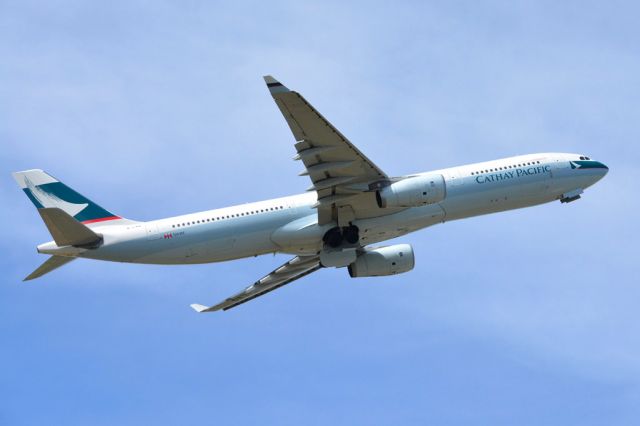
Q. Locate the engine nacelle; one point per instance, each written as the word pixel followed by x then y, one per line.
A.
pixel 412 192
pixel 381 261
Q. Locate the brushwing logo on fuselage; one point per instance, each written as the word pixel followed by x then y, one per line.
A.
pixel 51 200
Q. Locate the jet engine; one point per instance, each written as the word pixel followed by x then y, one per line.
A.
pixel 381 261
pixel 412 192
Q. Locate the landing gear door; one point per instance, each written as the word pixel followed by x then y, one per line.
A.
pixel 153 233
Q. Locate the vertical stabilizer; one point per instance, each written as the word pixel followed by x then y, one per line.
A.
pixel 45 191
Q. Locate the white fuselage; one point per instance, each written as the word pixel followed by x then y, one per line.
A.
pixel 289 224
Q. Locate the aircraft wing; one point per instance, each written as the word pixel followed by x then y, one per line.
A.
pixel 294 269
pixel 343 177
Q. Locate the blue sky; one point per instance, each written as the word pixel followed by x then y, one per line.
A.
pixel 155 109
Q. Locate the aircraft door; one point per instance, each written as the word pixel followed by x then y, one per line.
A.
pixel 153 232
pixel 453 177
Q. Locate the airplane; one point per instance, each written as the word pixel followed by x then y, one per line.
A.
pixel 350 207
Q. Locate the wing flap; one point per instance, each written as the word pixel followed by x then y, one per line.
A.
pixel 294 269
pixel 332 162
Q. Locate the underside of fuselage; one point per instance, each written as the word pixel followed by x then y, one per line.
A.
pixel 295 230
pixel 290 225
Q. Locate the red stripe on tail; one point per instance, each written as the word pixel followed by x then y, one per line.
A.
pixel 102 219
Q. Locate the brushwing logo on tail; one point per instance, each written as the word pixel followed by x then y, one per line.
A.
pixel 51 200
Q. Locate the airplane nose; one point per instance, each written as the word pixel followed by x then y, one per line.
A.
pixel 599 170
pixel 603 168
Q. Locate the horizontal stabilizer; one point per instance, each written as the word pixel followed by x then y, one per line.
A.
pixel 65 230
pixel 54 262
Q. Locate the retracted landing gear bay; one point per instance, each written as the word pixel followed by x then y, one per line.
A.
pixel 336 237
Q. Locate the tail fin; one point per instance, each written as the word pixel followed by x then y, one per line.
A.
pixel 45 191
pixel 54 262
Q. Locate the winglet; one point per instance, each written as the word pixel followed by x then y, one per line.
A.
pixel 274 85
pixel 199 308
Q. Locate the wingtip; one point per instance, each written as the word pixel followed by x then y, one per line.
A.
pixel 269 79
pixel 198 308
pixel 201 308
pixel 274 85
